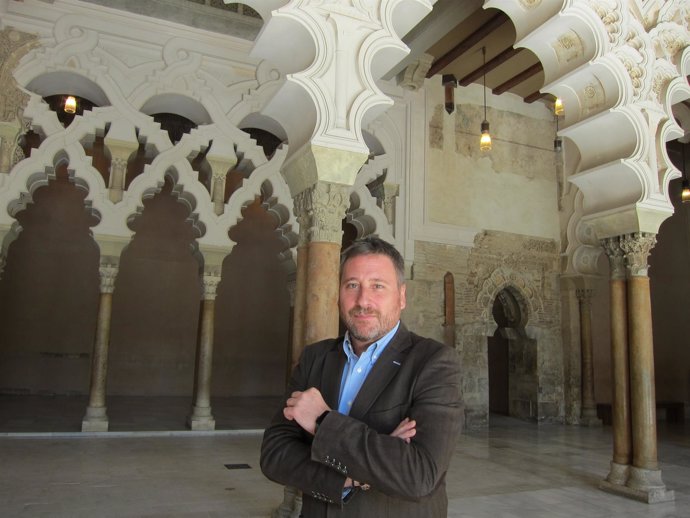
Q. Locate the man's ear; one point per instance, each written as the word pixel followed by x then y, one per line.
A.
pixel 403 296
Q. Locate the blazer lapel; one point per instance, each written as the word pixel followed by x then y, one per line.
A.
pixel 332 374
pixel 381 374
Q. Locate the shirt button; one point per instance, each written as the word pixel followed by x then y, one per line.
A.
pixel 349 403
pixel 359 370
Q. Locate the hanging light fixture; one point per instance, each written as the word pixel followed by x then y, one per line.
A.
pixel 558 108
pixel 70 104
pixel 449 83
pixel 685 193
pixel 485 139
pixel 557 141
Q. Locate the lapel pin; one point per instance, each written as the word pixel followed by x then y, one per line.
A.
pixel 397 363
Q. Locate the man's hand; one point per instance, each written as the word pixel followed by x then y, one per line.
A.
pixel 305 407
pixel 405 430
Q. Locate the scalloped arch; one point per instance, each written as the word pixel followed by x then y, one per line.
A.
pixel 500 279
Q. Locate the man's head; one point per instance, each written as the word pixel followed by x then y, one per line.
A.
pixel 372 290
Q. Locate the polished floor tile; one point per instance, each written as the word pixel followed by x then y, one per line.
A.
pixel 513 469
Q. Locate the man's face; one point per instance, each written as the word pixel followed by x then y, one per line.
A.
pixel 370 298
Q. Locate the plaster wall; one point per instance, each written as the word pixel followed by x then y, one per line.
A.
pixel 513 187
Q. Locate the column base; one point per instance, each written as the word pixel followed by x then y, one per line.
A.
pixel 291 507
pixel 642 484
pixel 201 419
pixel 589 417
pixel 618 475
pixel 95 420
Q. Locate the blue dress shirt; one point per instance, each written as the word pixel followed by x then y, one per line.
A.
pixel 357 368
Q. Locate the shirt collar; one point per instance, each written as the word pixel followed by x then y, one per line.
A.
pixel 372 350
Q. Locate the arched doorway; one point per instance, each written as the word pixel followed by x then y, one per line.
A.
pixel 512 359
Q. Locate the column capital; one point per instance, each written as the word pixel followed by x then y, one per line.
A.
pixel 302 207
pixel 327 204
pixel 209 284
pixel 616 255
pixel 637 247
pixel 584 295
pixel 108 270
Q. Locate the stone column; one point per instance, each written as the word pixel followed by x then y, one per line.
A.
pixel 302 212
pixel 588 415
pixel 121 142
pixel 201 418
pixel 96 418
pixel 620 372
pixel 221 157
pixel 645 476
pixel 328 203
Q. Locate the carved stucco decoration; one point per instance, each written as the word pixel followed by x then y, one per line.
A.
pixel 502 278
pixel 13 46
pixel 593 97
pixel 609 12
pixel 530 4
pixel 568 47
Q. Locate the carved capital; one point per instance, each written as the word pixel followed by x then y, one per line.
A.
pixel 637 247
pixel 616 257
pixel 328 203
pixel 302 207
pixel 209 285
pixel 584 295
pixel 108 273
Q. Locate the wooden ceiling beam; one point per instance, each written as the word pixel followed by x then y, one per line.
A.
pixel 517 79
pixel 494 23
pixel 490 65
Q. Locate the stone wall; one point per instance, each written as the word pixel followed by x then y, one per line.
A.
pixel 529 268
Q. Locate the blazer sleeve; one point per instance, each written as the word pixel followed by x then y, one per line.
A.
pixel 390 465
pixel 286 447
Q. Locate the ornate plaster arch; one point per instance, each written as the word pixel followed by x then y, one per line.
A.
pixel 617 87
pixel 503 278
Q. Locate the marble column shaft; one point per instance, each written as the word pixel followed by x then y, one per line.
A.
pixel 641 343
pixel 202 418
pixel 96 419
pixel 328 203
pixel 589 411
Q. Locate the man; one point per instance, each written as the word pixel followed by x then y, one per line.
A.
pixel 373 417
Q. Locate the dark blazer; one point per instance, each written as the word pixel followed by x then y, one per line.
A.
pixel 414 377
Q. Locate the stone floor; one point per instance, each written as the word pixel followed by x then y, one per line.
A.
pixel 513 469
